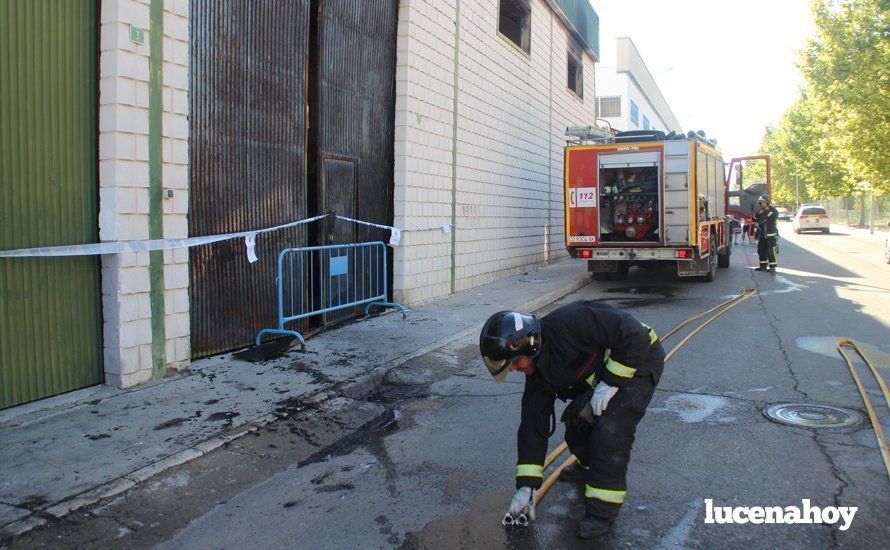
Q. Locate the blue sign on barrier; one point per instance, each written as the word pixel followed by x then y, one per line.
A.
pixel 339 265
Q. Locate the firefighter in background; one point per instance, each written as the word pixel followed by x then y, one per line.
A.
pixel 767 217
pixel 607 364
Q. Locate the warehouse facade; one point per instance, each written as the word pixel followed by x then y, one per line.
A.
pixel 213 116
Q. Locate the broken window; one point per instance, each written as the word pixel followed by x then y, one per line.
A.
pixel 575 74
pixel 514 22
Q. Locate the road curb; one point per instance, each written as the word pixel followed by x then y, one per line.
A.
pixel 358 388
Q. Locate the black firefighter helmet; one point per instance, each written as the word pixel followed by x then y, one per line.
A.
pixel 506 336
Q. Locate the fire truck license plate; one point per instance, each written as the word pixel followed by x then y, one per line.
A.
pixel 582 197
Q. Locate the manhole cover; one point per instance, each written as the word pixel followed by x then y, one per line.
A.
pixel 812 416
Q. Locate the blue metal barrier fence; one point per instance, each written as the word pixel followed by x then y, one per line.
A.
pixel 320 279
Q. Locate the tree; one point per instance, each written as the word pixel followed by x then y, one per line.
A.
pixel 847 69
pixel 834 136
pixel 798 148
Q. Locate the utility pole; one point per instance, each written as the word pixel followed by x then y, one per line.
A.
pixel 871 215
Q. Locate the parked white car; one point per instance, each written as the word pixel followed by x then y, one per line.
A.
pixel 810 218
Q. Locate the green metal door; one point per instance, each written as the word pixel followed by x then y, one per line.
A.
pixel 50 308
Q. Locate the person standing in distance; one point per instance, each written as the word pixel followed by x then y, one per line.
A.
pixel 767 218
pixel 602 360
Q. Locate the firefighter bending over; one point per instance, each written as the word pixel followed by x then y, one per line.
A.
pixel 602 360
pixel 767 217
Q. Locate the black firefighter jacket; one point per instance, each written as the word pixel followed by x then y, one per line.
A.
pixel 583 343
pixel 767 219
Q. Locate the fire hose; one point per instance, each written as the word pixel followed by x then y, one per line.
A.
pixel 721 308
pixel 875 423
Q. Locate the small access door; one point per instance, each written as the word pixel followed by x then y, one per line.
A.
pixel 677 195
pixel 629 186
pixel 582 214
pixel 338 194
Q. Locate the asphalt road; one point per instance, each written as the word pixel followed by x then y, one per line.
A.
pixel 432 464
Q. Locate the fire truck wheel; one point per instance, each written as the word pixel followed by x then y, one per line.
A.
pixel 723 259
pixel 712 263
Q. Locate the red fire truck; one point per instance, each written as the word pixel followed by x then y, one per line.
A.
pixel 644 197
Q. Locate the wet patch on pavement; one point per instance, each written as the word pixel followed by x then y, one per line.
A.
pixel 663 291
pixel 827 346
pixel 480 527
pixel 693 408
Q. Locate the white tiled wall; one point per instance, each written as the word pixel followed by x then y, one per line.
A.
pixel 123 182
pixel 511 119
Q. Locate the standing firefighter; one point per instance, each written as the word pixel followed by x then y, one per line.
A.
pixel 767 217
pixel 607 364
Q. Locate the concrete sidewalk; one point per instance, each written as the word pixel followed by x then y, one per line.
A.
pixel 63 453
pixel 880 231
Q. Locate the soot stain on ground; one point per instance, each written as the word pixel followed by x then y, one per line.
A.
pixel 335 488
pixel 172 423
pixel 219 416
pixel 664 291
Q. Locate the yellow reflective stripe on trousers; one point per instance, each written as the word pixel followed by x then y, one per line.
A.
pixel 607 495
pixel 591 379
pixel 618 369
pixel 529 470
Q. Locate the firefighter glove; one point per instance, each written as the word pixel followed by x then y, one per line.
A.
pixel 577 408
pixel 523 503
pixel 602 394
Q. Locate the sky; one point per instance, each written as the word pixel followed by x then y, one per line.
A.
pixel 725 66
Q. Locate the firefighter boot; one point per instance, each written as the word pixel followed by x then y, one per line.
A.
pixel 574 474
pixel 592 527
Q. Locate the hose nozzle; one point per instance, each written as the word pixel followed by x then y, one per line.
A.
pixel 519 521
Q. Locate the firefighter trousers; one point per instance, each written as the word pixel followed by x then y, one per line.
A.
pixel 766 250
pixel 604 447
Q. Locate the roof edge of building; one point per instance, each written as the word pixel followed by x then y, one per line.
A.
pixel 630 62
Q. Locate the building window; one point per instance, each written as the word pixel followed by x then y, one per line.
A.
pixel 575 75
pixel 645 123
pixel 608 107
pixel 514 22
pixel 634 113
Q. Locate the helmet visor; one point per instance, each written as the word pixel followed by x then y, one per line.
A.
pixel 497 368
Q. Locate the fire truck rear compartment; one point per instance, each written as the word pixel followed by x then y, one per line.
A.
pixel 630 205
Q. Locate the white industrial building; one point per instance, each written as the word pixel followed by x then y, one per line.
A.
pixel 627 95
pixel 523 71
